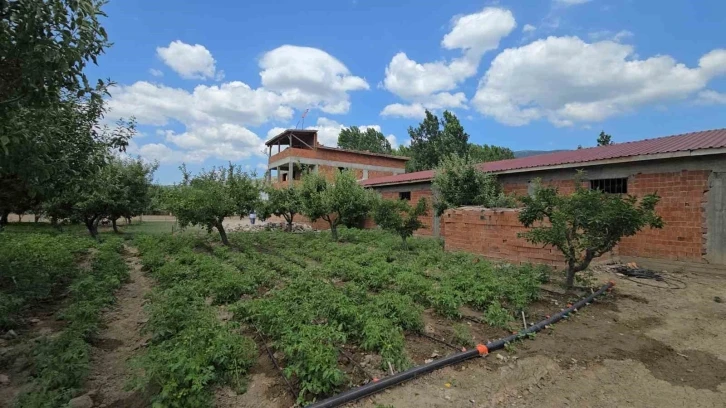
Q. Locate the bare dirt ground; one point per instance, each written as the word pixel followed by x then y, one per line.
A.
pixel 640 347
pixel 120 340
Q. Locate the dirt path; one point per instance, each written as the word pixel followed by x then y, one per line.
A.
pixel 642 347
pixel 119 341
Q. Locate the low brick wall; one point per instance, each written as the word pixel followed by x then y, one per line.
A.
pixel 493 234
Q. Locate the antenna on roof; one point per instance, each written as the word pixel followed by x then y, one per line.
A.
pixel 301 122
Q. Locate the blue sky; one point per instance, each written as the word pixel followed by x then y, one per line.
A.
pixel 209 81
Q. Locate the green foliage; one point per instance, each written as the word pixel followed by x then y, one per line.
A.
pixel 432 141
pixel 604 139
pixel 462 335
pixel 190 350
pixel 369 140
pixel 458 182
pixel 399 217
pixel 60 363
pixel 486 153
pixel 283 202
pixel 341 201
pixel 585 224
pixel 33 268
pixel 497 316
pixel 211 196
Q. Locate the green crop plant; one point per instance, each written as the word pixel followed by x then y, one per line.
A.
pixel 497 316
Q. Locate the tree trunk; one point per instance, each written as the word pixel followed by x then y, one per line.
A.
pixel 92 227
pixel 222 234
pixel 36 218
pixel 289 222
pixel 115 227
pixel 20 217
pixel 570 280
pixel 4 217
pixel 405 243
pixel 128 220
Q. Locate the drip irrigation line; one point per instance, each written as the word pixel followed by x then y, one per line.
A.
pixel 357 364
pixel 639 275
pixel 480 350
pixel 424 335
pixel 274 362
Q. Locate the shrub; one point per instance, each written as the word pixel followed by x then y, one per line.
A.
pixel 398 217
pixel 585 224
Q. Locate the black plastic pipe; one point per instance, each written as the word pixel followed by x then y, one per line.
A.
pixel 374 387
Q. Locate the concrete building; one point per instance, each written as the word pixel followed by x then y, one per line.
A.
pixel 295 151
pixel 688 171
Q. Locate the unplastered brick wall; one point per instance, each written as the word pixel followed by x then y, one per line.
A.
pixel 493 234
pixel 682 206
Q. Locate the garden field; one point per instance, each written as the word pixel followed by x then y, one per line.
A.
pixel 334 314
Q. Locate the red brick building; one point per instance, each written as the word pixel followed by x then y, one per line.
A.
pixel 688 171
pixel 295 150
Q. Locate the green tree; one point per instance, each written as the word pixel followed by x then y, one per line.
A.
pixel 458 182
pixel 211 196
pixel 45 46
pixel 283 202
pixel 604 139
pixel 343 199
pixel 432 140
pixel 399 217
pixel 129 188
pixel 585 224
pixel 485 153
pixel 371 140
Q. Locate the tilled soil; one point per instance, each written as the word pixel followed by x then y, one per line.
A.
pixel 639 347
pixel 119 341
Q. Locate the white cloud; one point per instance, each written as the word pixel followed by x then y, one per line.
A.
pixel 428 84
pixel 528 28
pixel 567 3
pixel 567 81
pixel 413 111
pixel 156 72
pixel 189 61
pixel 309 78
pixel 609 35
pixel 216 118
pixel 711 97
pixel 161 153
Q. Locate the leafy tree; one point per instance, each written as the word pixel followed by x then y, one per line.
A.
pixel 283 202
pixel 585 224
pixel 604 139
pixel 485 153
pixel 343 199
pixel 45 46
pixel 211 196
pixel 432 140
pixel 458 182
pixel 399 217
pixel 371 140
pixel 129 185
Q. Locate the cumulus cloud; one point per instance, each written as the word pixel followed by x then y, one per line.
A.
pixel 189 61
pixel 309 78
pixel 566 81
pixel 528 28
pixel 216 118
pixel 413 111
pixel 711 97
pixel 430 84
pixel 156 72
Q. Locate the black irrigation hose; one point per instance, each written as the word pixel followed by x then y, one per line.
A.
pixel 272 357
pixel 352 360
pixel 374 387
pixel 426 336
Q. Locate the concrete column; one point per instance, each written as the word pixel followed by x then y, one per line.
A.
pixel 290 171
pixel 279 174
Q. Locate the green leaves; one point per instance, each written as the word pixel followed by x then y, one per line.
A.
pixel 399 217
pixel 369 141
pixel 458 182
pixel 585 224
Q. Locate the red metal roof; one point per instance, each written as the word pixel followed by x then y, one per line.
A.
pixel 708 139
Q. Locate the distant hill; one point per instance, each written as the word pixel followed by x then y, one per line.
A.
pixel 527 153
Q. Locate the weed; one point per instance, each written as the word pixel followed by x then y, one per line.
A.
pixel 497 316
pixel 462 335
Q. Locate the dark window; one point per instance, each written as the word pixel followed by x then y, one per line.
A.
pixel 404 195
pixel 612 186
